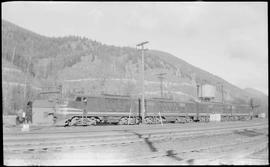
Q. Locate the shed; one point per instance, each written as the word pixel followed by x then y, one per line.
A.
pixel 42 110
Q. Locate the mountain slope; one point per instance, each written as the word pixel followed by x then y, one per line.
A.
pixel 81 64
pixel 259 97
pixel 255 92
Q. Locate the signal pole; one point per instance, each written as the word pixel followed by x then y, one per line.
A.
pixel 142 104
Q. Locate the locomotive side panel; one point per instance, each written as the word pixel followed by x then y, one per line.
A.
pixel 191 109
pixel 94 105
pixel 111 109
pixel 242 110
pixel 169 110
pixel 217 109
pixel 204 109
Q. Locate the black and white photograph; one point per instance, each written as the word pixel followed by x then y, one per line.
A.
pixel 134 83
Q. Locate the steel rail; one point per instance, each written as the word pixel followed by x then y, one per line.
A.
pixel 82 141
pixel 77 130
pixel 262 143
pixel 114 133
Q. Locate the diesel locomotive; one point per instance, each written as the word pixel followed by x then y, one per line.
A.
pixel 123 110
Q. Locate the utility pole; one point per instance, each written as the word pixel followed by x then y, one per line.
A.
pixel 198 91
pixel 222 97
pixel 13 54
pixel 8 83
pixel 142 71
pixel 222 94
pixel 27 70
pixel 161 77
pixel 203 83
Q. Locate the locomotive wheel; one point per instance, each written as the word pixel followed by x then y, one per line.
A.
pixel 243 118
pixel 67 123
pixel 123 121
pixel 188 119
pixel 201 119
pixel 164 120
pixel 131 120
pixel 74 121
pixel 91 121
pixel 204 119
pixel 156 120
pixel 138 120
pixel 149 120
pixel 180 120
pixel 207 119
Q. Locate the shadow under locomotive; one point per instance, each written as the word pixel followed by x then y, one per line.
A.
pixel 125 110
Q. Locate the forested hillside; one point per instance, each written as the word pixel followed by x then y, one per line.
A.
pixel 81 64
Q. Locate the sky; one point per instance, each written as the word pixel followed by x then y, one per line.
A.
pixel 227 39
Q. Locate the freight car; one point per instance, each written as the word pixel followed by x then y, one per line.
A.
pixel 92 110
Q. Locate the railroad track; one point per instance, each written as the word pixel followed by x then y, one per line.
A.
pixel 60 141
pixel 228 151
pixel 99 129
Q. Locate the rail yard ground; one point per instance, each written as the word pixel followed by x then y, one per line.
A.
pixel 213 143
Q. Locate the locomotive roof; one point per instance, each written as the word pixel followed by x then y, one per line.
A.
pixel 153 98
pixel 103 95
pixel 234 104
pixel 169 100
